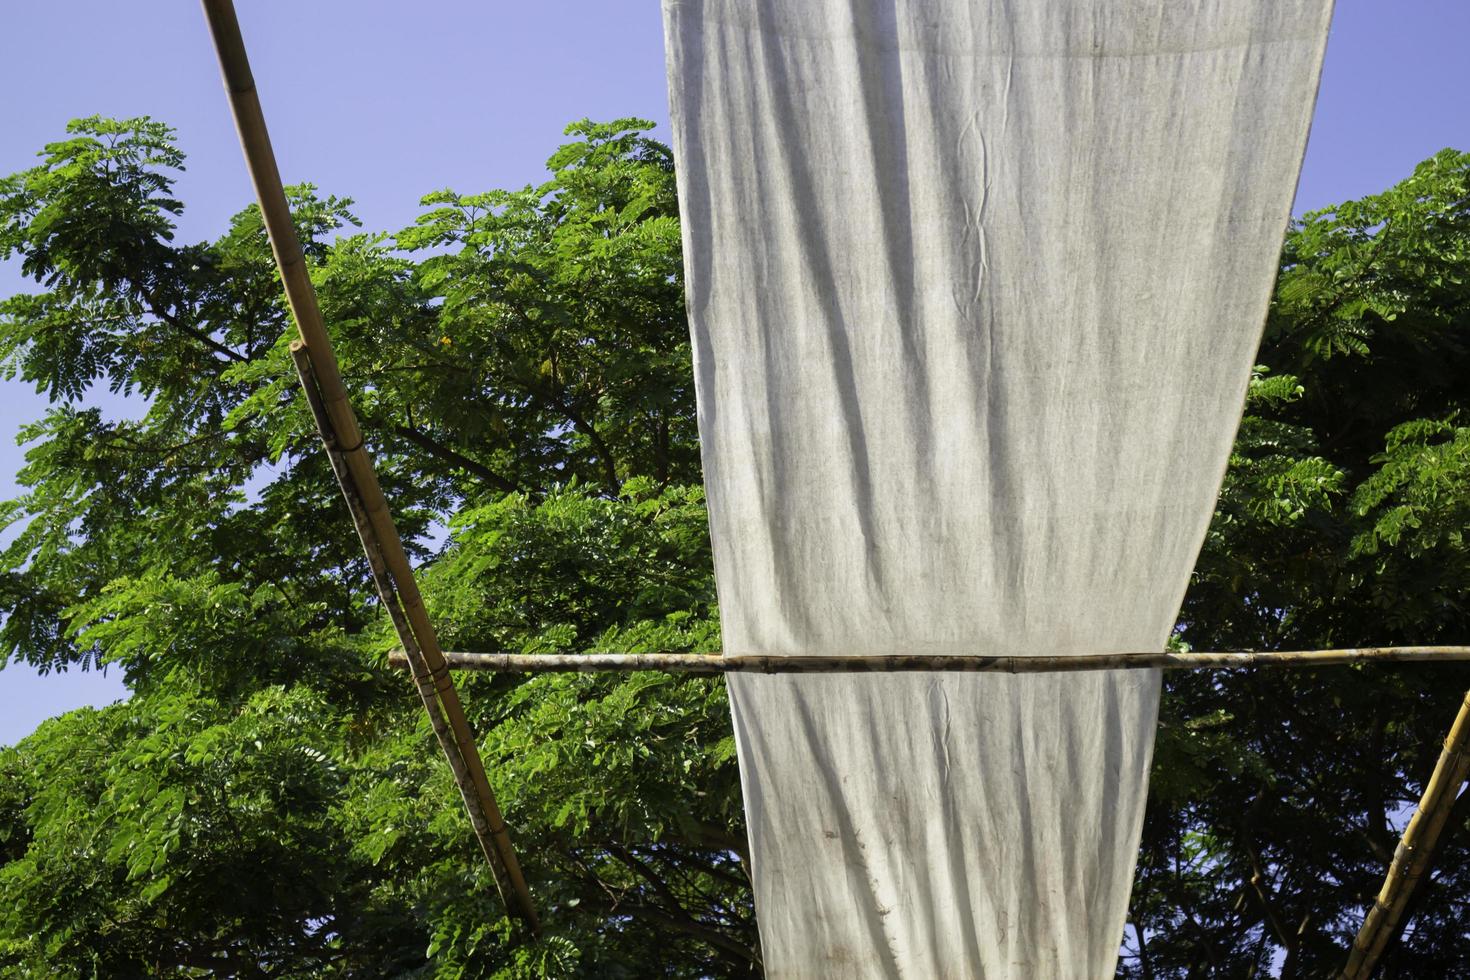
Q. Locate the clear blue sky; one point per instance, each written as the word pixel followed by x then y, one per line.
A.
pixel 385 101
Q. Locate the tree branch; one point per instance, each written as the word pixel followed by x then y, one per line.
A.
pixel 160 310
pixel 604 454
pixel 714 838
pixel 455 458
pixel 1258 884
pixel 695 928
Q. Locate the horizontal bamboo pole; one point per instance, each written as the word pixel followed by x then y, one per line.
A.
pixel 1411 859
pixel 714 663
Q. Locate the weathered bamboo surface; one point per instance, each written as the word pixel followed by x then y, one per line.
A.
pixel 339 427
pixel 1413 856
pixel 714 663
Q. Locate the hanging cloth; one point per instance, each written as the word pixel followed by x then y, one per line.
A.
pixel 975 289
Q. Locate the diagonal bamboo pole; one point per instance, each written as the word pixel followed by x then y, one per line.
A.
pixel 423 680
pixel 714 663
pixel 381 541
pixel 1411 859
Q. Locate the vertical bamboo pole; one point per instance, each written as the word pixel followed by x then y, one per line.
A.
pixel 1411 858
pixel 383 543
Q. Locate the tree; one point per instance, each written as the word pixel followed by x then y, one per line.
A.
pixel 270 801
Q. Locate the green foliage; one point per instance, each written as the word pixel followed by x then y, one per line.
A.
pixel 1278 797
pixel 560 572
pixel 563 307
pixel 180 835
pixel 271 802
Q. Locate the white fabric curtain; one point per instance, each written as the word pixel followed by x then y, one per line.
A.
pixel 975 289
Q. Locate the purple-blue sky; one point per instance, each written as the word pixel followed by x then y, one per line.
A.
pixel 386 101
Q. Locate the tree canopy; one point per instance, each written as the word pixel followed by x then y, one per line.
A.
pixel 270 801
